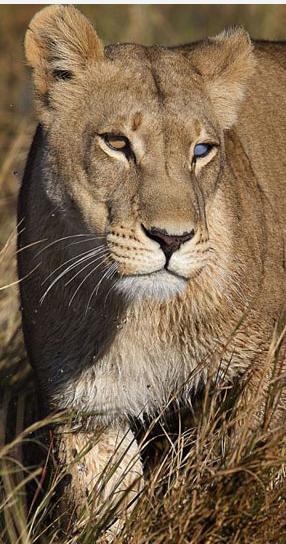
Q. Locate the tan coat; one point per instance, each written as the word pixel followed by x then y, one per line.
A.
pixel 185 275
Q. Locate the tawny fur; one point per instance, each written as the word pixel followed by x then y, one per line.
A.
pixel 104 472
pixel 121 338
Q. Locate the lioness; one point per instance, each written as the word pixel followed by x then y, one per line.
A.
pixel 153 215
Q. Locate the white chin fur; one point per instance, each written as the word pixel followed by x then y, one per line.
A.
pixel 159 285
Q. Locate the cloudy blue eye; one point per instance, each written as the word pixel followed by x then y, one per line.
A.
pixel 202 150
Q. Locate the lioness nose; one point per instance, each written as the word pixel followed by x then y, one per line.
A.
pixel 168 242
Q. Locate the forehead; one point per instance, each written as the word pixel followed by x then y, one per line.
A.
pixel 162 68
pixel 152 81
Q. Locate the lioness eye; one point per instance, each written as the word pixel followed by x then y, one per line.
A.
pixel 116 142
pixel 119 143
pixel 202 150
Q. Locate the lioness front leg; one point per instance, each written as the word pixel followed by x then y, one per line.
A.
pixel 103 473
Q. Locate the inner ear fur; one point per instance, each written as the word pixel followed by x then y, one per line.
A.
pixel 59 43
pixel 226 63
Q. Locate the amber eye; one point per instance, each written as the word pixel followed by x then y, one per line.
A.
pixel 119 143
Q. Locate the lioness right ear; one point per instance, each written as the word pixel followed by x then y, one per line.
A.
pixel 59 43
pixel 226 62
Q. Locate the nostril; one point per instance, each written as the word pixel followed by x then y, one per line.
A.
pixel 168 242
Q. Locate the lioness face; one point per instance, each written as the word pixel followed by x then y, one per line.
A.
pixel 151 158
pixel 141 149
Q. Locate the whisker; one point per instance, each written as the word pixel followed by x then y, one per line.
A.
pixel 12 237
pixel 68 269
pixel 94 237
pixel 112 268
pixel 81 270
pixel 111 288
pixel 84 280
pixel 82 241
pixel 108 275
pixel 20 279
pixel 61 240
pixel 91 251
pixel 29 245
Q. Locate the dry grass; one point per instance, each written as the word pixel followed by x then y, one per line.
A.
pixel 204 487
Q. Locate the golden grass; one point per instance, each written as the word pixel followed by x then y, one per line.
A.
pixel 204 487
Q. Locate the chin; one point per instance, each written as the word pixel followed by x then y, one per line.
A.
pixel 161 285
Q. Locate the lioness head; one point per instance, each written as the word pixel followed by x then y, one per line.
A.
pixel 136 143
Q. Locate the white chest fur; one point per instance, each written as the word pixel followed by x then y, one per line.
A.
pixel 140 373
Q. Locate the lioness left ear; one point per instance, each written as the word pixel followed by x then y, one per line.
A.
pixel 226 62
pixel 59 43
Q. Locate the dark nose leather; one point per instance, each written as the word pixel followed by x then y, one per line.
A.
pixel 169 243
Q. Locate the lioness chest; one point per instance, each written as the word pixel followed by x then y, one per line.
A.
pixel 140 373
pixel 156 355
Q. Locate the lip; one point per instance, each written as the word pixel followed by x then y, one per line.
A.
pixel 161 271
pixel 175 274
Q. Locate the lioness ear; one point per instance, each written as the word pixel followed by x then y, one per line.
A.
pixel 226 62
pixel 59 43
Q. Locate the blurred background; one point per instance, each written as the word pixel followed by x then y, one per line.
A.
pixel 148 24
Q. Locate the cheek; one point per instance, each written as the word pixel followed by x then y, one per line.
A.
pixel 94 211
pixel 106 172
pixel 208 178
pixel 99 217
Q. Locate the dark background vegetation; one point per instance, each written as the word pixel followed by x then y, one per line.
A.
pixel 233 506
